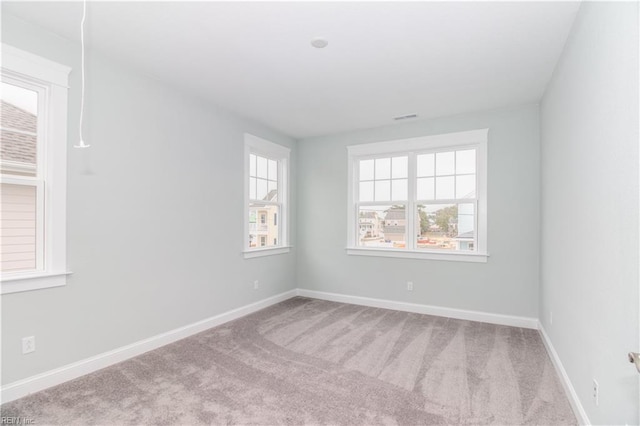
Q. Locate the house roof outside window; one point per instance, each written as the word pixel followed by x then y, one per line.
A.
pixel 18 146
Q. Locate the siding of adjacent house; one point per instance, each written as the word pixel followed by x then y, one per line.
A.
pixel 18 145
pixel 18 228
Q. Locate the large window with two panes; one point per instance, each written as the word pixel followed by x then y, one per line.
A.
pixel 430 198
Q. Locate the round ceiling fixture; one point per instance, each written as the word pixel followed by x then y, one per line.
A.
pixel 319 42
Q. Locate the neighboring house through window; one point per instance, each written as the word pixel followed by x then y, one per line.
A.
pixel 33 140
pixel 266 197
pixel 420 198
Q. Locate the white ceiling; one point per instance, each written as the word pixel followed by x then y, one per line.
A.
pixel 384 59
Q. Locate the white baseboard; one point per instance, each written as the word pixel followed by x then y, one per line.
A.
pixel 572 396
pixel 514 321
pixel 15 390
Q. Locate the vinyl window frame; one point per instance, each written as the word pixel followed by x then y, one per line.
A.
pixel 477 139
pixel 281 154
pixel 51 81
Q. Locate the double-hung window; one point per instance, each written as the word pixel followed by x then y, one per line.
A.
pixel 266 197
pixel 420 198
pixel 33 138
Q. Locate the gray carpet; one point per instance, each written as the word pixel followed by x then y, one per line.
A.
pixel 307 361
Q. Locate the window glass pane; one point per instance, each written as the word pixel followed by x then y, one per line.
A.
pixel 18 227
pixel 383 168
pixel 466 208
pixel 466 161
pixel 399 167
pixel 446 227
pixel 366 191
pixel 252 165
pixel 252 188
pixel 18 136
pixel 382 226
pixel 466 186
pixel 444 188
pixel 273 170
pixel 16 101
pixel 465 240
pixel 445 163
pixel 383 190
pixel 261 169
pixel 437 226
pixel 426 189
pixel 426 165
pixel 272 191
pixel 366 170
pixel 261 187
pixel 399 189
pixel 263 228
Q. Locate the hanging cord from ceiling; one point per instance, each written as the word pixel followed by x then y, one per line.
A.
pixel 84 16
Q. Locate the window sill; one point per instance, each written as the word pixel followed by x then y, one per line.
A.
pixel 271 251
pixel 18 282
pixel 417 254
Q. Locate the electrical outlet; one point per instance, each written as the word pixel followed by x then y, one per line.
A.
pixel 256 284
pixel 596 392
pixel 550 317
pixel 410 285
pixel 28 344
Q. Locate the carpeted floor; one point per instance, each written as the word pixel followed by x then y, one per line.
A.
pixel 307 361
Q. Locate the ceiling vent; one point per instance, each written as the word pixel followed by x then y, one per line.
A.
pixel 405 117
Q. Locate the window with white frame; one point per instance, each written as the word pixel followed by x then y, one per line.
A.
pixel 266 197
pixel 420 198
pixel 33 95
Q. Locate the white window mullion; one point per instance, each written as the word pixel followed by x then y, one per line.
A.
pixel 279 199
pixel 353 190
pixel 247 197
pixel 19 180
pixel 283 196
pixel 354 233
pixel 42 262
pixel 43 198
pixel 45 103
pixel 413 225
pixel 481 196
pixel 410 223
pixel 475 226
pixel 266 203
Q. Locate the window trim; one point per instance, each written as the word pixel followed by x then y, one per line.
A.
pixel 40 176
pixel 256 145
pixel 52 163
pixel 414 146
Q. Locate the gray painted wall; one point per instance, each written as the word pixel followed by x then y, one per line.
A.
pixel 506 284
pixel 154 229
pixel 589 119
